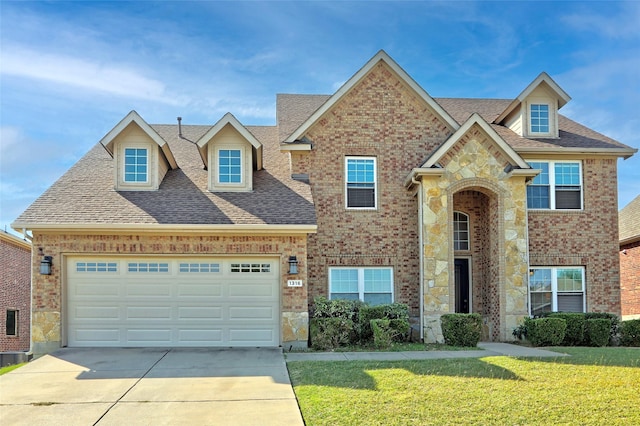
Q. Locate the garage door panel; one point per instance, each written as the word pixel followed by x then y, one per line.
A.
pixel 159 302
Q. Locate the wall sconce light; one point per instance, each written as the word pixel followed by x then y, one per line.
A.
pixel 45 265
pixel 293 265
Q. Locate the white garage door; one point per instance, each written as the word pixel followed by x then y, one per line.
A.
pixel 126 301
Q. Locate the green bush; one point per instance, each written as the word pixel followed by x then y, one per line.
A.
pixel 400 327
pixel 337 308
pixel 615 324
pixel 545 331
pixel 365 316
pixel 597 331
pixel 461 329
pixel 330 333
pixel 630 332
pixel 382 333
pixel 398 313
pixel 574 334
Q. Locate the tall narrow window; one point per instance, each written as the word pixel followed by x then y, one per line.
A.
pixel 229 166
pixel 460 231
pixel 135 164
pixel 361 182
pixel 12 322
pixel 539 118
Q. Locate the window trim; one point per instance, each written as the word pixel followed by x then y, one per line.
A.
pixel 361 269
pixel 554 286
pixel 217 165
pixel 147 164
pixel 346 182
pixel 552 184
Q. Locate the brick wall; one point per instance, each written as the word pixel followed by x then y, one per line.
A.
pixel 15 291
pixel 383 118
pixel 630 279
pixel 586 238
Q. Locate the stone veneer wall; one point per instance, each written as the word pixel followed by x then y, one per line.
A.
pixel 48 290
pixel 475 163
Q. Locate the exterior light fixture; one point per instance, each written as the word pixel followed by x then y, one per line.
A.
pixel 293 265
pixel 45 265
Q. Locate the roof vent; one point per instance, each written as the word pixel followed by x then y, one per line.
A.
pixel 180 127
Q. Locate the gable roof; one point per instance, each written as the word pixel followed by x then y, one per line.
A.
pixel 629 222
pixel 381 56
pixel 542 79
pixel 475 119
pixel 230 119
pixel 133 117
pixel 16 241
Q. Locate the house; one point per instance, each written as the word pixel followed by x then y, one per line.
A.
pixel 185 235
pixel 15 294
pixel 629 224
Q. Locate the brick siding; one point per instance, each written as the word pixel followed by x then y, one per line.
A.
pixel 586 238
pixel 630 278
pixel 15 292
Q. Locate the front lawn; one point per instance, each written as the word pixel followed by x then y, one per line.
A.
pixel 5 370
pixel 593 386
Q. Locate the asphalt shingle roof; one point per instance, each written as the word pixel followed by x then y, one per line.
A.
pixel 629 221
pixel 86 194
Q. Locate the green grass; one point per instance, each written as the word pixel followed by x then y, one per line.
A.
pixel 5 370
pixel 594 386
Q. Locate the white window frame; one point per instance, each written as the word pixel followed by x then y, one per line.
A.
pixel 346 182
pixel 456 232
pixel 549 119
pixel 554 286
pixel 361 269
pixel 124 165
pixel 552 183
pixel 230 148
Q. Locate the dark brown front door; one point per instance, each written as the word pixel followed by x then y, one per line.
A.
pixel 462 286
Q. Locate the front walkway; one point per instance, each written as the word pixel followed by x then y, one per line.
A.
pixel 487 349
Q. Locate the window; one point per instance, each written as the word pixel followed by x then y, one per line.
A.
pixel 200 267
pixel 460 231
pixel 371 285
pixel 12 322
pixel 229 166
pixel 361 182
pixel 558 186
pixel 135 165
pixel 556 289
pixel 96 267
pixel 539 118
pixel 148 267
pixel 250 267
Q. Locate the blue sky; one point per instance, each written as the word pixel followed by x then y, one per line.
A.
pixel 69 71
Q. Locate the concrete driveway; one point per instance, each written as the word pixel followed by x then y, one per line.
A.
pixel 149 386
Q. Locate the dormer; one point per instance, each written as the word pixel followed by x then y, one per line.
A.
pixel 534 113
pixel 231 154
pixel 142 158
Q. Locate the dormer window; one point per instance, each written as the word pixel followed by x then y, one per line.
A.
pixel 229 166
pixel 136 165
pixel 539 118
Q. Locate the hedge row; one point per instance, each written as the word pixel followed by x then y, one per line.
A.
pixel 338 323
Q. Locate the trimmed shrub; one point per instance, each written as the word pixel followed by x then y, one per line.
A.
pixel 382 333
pixel 597 331
pixel 461 329
pixel 337 308
pixel 398 313
pixel 330 333
pixel 615 324
pixel 574 334
pixel 545 331
pixel 365 316
pixel 400 329
pixel 630 332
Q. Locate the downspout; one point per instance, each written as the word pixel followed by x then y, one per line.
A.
pixel 420 254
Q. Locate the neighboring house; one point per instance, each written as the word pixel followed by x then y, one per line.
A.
pixel 629 219
pixel 15 293
pixel 176 235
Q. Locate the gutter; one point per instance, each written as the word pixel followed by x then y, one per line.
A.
pixel 252 229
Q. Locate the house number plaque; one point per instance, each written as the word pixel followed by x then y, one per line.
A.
pixel 294 283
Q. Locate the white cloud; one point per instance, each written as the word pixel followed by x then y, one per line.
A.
pixel 623 25
pixel 82 73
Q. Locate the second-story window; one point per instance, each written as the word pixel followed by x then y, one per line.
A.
pixel 558 186
pixel 136 162
pixel 229 166
pixel 360 182
pixel 539 118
